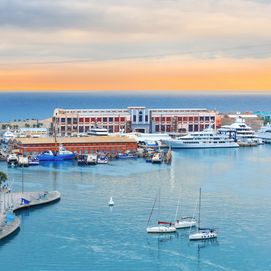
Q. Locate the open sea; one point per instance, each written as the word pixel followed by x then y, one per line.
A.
pixel 80 232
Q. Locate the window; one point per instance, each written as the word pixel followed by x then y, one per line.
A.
pixel 180 119
pixel 62 119
pixel 110 129
pixel 81 119
pixel 116 119
pixel 86 119
pixel 104 119
pixel 93 120
pixel 196 118
pixel 212 118
pixel 110 119
pixel 69 120
pixel 122 119
pixel 162 128
pixel 190 119
pixel 134 118
pixel 156 128
pixel 206 118
pixel 157 119
pixel 146 118
pixel 168 128
pixel 163 118
pixel 190 128
pixel 74 121
pixel 99 119
pixel 184 119
pixel 201 118
pixel 196 128
pixel 168 118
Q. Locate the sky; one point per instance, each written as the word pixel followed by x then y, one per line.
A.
pixel 176 45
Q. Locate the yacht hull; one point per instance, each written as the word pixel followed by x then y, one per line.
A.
pixel 161 229
pixel 180 145
pixel 202 236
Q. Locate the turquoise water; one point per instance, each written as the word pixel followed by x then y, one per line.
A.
pixel 82 233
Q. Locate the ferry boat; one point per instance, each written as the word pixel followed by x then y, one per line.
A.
pixel 243 133
pixel 264 134
pixel 208 138
pixel 61 155
pixel 97 131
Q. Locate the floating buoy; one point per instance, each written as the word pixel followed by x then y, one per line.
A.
pixel 111 202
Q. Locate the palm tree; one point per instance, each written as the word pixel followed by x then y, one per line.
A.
pixel 3 177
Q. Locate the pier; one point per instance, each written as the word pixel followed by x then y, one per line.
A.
pixel 9 222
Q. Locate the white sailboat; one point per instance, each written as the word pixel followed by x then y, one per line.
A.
pixel 111 202
pixel 163 227
pixel 202 233
pixel 184 221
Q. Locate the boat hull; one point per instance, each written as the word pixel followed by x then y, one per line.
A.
pixel 161 229
pixel 185 224
pixel 202 236
pixel 58 157
pixel 180 145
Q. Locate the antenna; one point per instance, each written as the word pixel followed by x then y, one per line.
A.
pixel 199 205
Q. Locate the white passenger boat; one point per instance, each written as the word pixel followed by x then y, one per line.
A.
pixel 202 233
pixel 111 202
pixel 98 131
pixel 265 133
pixel 240 131
pixel 208 138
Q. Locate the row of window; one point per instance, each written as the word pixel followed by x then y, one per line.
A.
pixel 88 120
pixel 184 119
pixel 191 128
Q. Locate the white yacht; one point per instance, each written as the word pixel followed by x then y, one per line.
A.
pixel 264 133
pixel 208 138
pixel 98 131
pixel 241 131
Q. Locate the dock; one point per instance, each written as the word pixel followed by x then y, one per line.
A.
pixel 9 222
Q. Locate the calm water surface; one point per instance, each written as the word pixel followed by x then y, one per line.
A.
pixel 82 233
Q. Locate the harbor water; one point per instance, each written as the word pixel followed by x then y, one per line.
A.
pixel 81 232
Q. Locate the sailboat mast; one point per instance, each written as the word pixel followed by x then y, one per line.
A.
pixel 199 205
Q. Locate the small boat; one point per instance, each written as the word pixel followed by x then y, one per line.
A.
pixel 23 161
pixel 102 159
pixel 157 158
pixel 82 160
pixel 202 233
pixel 33 161
pixel 127 155
pixel 92 159
pixel 111 202
pixel 12 160
pixel 61 155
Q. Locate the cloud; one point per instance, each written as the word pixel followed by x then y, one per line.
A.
pixel 48 30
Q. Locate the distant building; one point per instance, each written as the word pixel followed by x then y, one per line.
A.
pixel 67 122
pixel 106 144
pixel 32 132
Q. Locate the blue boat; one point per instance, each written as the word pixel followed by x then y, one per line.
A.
pixel 127 155
pixel 61 155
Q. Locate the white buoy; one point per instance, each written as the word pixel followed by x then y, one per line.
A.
pixel 111 202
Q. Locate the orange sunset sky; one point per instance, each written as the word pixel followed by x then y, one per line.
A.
pixel 135 45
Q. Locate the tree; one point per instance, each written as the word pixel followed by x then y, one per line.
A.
pixel 3 177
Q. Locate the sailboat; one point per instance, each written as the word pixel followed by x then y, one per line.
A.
pixel 163 227
pixel 202 233
pixel 111 202
pixel 184 221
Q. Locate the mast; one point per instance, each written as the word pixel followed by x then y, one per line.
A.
pixel 199 205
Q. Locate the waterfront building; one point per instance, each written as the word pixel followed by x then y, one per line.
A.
pixel 68 122
pixel 106 144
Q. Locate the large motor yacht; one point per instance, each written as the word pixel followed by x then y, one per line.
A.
pixel 240 131
pixel 208 138
pixel 264 133
pixel 98 131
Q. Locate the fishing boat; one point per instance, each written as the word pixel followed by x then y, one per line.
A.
pixel 127 155
pixel 12 160
pixel 61 155
pixel 92 159
pixel 202 233
pixel 157 158
pixel 33 161
pixel 163 227
pixel 102 159
pixel 82 160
